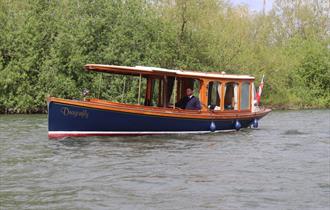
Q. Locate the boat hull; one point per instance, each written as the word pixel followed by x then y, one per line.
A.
pixel 66 119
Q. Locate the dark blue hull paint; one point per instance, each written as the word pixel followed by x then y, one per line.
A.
pixel 63 117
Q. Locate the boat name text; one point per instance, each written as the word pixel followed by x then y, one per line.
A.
pixel 67 112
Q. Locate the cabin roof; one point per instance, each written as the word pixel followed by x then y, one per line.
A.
pixel 143 70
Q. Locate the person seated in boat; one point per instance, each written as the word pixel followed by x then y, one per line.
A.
pixel 189 101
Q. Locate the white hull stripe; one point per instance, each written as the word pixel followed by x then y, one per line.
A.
pixel 127 132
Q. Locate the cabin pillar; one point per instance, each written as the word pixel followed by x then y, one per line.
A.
pixel 178 90
pixel 165 90
pixel 139 94
pixel 148 96
pixel 203 94
pixel 174 92
pixel 160 98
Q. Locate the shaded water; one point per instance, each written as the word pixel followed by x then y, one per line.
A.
pixel 282 165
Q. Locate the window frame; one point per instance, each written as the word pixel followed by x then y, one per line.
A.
pixel 238 96
pixel 219 82
pixel 249 95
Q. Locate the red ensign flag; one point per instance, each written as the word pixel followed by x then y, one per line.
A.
pixel 261 86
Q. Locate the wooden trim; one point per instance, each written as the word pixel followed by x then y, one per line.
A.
pixel 250 98
pixel 239 96
pixel 165 83
pixel 139 91
pixel 222 99
pixel 148 95
pixel 179 95
pixel 203 94
pixel 160 97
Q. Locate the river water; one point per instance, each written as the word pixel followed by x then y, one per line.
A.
pixel 284 164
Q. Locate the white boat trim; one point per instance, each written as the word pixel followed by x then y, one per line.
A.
pixel 128 132
pixel 145 69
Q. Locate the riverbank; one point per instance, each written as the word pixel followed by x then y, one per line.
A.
pixel 47 57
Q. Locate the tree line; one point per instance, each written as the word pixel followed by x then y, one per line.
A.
pixel 44 45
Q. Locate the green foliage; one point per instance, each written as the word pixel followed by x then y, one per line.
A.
pixel 45 44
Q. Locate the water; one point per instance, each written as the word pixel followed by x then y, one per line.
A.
pixel 282 165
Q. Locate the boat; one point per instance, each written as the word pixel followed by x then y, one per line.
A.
pixel 228 102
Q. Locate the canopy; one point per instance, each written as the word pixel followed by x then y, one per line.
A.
pixel 143 70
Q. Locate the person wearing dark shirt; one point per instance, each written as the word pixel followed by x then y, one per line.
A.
pixel 189 101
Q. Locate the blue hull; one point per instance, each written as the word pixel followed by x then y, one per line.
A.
pixel 69 120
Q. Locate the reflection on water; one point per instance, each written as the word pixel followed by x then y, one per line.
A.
pixel 282 165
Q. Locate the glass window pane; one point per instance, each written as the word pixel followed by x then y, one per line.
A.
pixel 245 96
pixel 231 96
pixel 196 88
pixel 214 91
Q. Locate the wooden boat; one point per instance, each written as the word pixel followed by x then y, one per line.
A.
pixel 227 103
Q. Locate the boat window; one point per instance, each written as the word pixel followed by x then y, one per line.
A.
pixel 131 90
pixel 170 89
pixel 120 88
pixel 245 96
pixel 156 92
pixel 214 95
pixel 181 85
pixel 231 96
pixel 173 88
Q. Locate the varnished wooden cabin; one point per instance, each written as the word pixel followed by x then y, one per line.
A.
pixel 216 91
